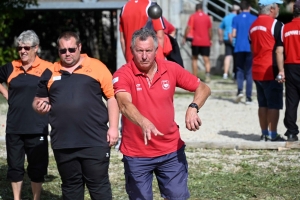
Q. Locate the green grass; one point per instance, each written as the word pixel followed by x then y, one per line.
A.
pixel 213 174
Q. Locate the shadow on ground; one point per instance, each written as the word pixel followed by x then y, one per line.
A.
pixel 226 82
pixel 227 97
pixel 6 191
pixel 235 134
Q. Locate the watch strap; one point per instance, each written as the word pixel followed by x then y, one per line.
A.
pixel 194 105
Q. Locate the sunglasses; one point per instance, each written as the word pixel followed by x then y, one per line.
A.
pixel 26 48
pixel 71 50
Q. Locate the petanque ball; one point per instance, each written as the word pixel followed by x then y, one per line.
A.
pixel 154 11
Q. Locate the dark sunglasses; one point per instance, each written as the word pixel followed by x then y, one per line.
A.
pixel 71 50
pixel 26 48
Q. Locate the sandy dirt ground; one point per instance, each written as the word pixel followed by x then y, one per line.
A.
pixel 222 119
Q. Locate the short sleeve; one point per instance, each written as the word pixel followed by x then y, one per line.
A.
pixel 186 80
pixel 121 82
pixel 106 82
pixel 191 21
pixel 42 89
pixel 5 70
pixel 222 25
pixel 234 25
pixel 121 21
pixel 278 33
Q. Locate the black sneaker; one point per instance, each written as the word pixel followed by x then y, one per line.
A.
pixel 292 138
pixel 278 138
pixel 263 138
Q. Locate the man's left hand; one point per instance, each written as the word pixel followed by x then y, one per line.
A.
pixel 112 136
pixel 192 120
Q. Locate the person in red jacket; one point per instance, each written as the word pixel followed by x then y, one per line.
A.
pixel 291 42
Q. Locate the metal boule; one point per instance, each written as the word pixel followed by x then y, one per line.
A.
pixel 154 11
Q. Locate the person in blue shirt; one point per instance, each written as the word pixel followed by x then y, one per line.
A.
pixel 225 36
pixel 240 30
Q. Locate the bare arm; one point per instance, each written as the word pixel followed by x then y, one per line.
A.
pixel 230 38
pixel 192 120
pixel 113 119
pixel 122 41
pixel 3 91
pixel 210 34
pixel 41 105
pixel 160 37
pixel 220 34
pixel 186 32
pixel 233 34
pixel 280 62
pixel 132 113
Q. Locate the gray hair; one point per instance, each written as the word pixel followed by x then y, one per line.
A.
pixel 28 37
pixel 265 9
pixel 143 35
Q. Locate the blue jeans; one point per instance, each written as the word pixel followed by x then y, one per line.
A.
pixel 171 172
pixel 244 72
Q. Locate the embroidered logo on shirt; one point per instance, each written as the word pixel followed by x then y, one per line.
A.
pixel 41 138
pixel 88 70
pixel 165 84
pixel 107 155
pixel 115 80
pixel 56 78
pixel 38 71
pixel 138 87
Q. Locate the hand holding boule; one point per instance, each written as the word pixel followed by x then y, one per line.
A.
pixel 278 77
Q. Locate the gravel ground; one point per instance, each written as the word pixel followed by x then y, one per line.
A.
pixel 223 120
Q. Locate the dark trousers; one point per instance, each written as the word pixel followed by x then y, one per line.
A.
pixel 84 166
pixel 243 61
pixel 35 147
pixel 292 94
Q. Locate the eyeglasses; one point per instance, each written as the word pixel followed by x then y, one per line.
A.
pixel 71 50
pixel 26 48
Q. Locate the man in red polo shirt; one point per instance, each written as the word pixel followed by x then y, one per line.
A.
pixel 202 37
pixel 267 50
pixel 291 42
pixel 134 17
pixel 151 141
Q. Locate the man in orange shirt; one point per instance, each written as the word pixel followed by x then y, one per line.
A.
pixel 134 17
pixel 202 37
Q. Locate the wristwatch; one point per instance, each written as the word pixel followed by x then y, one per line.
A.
pixel 194 105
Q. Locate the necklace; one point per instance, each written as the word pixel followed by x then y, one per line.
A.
pixel 153 73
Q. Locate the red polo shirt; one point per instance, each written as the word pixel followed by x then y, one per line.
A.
pixel 200 24
pixel 169 27
pixel 291 41
pixel 155 102
pixel 134 17
pixel 265 36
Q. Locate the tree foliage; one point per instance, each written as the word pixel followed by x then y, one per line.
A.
pixel 95 27
pixel 10 10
